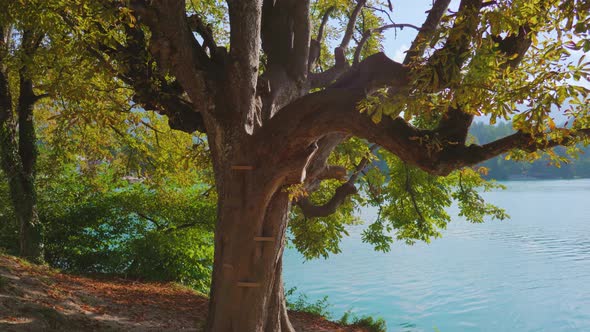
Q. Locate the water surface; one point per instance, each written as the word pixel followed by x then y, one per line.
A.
pixel 529 273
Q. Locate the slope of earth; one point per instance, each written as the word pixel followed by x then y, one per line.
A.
pixel 38 298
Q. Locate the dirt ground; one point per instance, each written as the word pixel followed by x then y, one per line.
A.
pixel 37 298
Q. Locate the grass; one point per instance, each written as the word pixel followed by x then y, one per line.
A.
pixel 367 322
pixel 301 303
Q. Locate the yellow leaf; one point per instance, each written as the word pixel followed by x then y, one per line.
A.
pixel 483 170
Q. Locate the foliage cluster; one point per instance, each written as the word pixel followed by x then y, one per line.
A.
pixel 301 303
pixel 411 203
pixel 125 201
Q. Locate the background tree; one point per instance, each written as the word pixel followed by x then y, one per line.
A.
pixel 278 108
pixel 19 45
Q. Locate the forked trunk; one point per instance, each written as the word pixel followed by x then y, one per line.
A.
pixel 247 292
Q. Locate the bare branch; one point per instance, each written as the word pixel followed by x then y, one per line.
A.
pixel 383 11
pixel 367 34
pixel 196 23
pixel 316 44
pixel 323 24
pixel 412 193
pixel 184 226
pixel 314 211
pixel 323 79
pixel 351 24
pixel 332 172
pixel 346 189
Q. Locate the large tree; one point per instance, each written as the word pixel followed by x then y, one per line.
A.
pixel 277 106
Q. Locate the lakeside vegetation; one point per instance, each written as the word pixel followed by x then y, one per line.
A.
pixel 560 165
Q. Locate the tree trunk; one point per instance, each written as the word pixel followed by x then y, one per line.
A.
pixel 24 200
pixel 31 243
pixel 247 292
pixel 31 232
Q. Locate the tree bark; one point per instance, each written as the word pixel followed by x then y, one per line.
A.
pixel 247 291
pixel 22 192
pixel 30 227
pixel 18 157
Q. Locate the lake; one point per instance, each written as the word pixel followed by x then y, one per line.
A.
pixel 528 273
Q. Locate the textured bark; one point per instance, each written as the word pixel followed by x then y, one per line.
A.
pixel 18 155
pixel 247 291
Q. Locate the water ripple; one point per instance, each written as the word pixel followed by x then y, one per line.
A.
pixel 530 273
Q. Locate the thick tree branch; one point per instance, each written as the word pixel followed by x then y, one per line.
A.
pixel 325 78
pixel 455 124
pixel 152 91
pixel 427 31
pixel 241 74
pixel 332 172
pixel 176 49
pixel 449 60
pixel 514 44
pixel 286 34
pixel 132 63
pixel 334 110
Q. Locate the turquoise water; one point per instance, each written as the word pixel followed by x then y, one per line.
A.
pixel 530 273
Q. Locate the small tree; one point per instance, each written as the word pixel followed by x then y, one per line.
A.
pixel 278 109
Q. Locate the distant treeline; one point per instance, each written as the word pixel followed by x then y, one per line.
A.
pixel 502 169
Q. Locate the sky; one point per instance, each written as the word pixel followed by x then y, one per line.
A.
pixel 405 11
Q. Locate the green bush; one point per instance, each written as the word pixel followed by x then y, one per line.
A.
pixel 301 303
pixel 367 322
pixel 162 233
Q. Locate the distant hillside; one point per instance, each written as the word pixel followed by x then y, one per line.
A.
pixel 502 169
